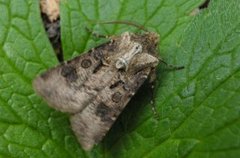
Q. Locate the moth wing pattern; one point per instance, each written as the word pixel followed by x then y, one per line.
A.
pixel 63 86
pixel 94 89
pixel 92 123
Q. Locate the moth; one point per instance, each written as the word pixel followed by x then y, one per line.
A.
pixel 96 86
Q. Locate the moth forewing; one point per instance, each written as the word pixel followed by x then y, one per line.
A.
pixel 95 87
pixel 63 86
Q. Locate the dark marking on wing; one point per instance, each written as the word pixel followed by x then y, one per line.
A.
pixel 97 54
pixel 44 75
pixel 69 72
pixel 117 97
pixel 86 63
pixel 111 46
pixel 116 84
pixel 98 67
pixel 104 112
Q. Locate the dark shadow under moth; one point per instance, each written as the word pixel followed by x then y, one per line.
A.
pixel 96 86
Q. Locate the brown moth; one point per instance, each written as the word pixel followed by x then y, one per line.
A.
pixel 96 86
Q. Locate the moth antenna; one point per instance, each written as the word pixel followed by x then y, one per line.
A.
pixel 141 27
pixel 172 67
pixel 154 111
pixel 96 34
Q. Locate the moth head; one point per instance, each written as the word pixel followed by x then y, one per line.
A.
pixel 123 62
pixel 148 40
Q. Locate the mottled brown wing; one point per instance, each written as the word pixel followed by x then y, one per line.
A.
pixel 91 87
pixel 93 122
pixel 63 86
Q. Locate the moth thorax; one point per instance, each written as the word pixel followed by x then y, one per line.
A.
pixel 123 62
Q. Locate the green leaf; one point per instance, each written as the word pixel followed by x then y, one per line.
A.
pixel 199 106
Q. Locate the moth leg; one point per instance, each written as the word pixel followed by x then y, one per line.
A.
pixel 154 110
pixel 152 82
pixel 140 78
pixel 96 34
